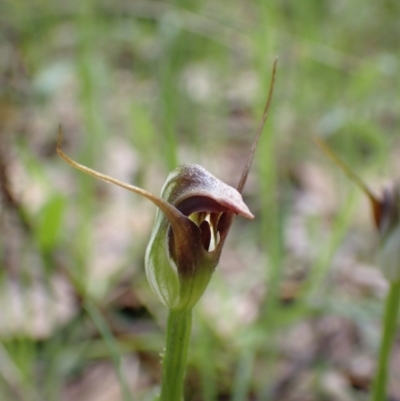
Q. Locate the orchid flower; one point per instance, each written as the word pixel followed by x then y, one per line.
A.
pixel 195 213
pixel 386 214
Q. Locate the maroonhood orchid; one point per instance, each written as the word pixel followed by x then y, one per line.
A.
pixel 194 215
pixel 195 212
pixel 182 254
pixel 386 213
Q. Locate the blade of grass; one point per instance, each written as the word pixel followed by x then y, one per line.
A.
pixel 313 286
pixel 388 336
pixel 111 344
pixel 204 347
pixel 243 375
pixel 14 378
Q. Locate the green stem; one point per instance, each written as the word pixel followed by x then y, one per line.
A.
pixel 179 326
pixel 389 331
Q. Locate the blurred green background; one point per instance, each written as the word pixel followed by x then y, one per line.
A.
pixel 293 311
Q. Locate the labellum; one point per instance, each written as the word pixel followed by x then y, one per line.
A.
pixel 195 212
pixel 386 211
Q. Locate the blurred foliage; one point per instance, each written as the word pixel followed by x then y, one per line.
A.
pixel 141 86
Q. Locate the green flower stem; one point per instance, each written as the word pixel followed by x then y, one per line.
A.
pixel 179 326
pixel 389 331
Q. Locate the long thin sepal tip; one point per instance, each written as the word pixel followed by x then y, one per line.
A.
pixel 259 130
